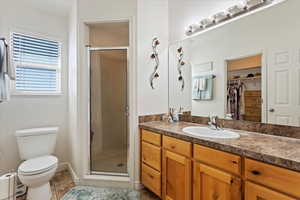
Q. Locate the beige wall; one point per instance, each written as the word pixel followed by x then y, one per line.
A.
pixel 109 34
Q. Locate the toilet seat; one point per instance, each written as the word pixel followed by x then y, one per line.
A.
pixel 37 165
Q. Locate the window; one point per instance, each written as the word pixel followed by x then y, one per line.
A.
pixel 37 64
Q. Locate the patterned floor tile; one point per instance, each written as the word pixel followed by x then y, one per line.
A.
pixel 62 182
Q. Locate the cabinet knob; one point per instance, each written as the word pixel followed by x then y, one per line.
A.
pixel 271 110
pixel 255 172
pixel 234 162
pixel 150 176
pixel 215 196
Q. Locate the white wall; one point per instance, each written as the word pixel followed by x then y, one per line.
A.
pixel 73 90
pixel 33 111
pixel 273 28
pixel 152 21
pixel 184 13
pixel 94 11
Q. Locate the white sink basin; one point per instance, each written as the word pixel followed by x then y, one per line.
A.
pixel 210 133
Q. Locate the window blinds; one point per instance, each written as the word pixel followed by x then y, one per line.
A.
pixel 36 62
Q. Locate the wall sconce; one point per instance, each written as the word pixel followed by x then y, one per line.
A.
pixel 180 64
pixel 154 56
pixel 230 13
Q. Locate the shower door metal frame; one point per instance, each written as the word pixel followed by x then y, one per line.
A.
pixel 89 49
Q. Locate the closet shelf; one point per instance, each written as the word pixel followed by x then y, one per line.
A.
pixel 246 79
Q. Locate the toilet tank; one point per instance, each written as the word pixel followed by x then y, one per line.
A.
pixel 36 142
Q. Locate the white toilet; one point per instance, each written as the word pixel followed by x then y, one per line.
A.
pixel 36 147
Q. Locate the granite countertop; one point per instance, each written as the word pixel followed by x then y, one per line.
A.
pixel 276 150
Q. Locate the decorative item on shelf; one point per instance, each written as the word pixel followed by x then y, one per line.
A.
pixel 154 55
pixel 250 75
pixel 232 12
pixel 180 64
pixel 258 74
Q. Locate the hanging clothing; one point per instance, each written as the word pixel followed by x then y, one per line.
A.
pixel 4 78
pixel 235 100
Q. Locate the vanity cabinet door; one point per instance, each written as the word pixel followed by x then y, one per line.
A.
pixel 176 176
pixel 213 184
pixel 256 192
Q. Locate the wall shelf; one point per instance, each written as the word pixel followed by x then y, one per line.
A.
pixel 246 78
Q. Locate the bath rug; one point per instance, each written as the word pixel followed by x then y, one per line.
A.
pixel 95 193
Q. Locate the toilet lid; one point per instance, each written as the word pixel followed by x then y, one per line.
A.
pixel 38 165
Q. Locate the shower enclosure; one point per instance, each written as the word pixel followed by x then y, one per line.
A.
pixel 108 111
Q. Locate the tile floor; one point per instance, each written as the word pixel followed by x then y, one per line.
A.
pixel 62 182
pixel 113 160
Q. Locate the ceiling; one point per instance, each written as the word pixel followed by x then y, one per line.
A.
pixel 54 7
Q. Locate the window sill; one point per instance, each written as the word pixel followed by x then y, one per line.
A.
pixel 25 93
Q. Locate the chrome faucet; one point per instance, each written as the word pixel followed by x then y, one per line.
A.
pixel 213 123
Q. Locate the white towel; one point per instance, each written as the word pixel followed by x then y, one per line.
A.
pixel 202 84
pixel 196 85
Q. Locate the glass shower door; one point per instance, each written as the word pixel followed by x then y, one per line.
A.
pixel 108 111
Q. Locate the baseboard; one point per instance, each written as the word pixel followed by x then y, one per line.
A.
pixel 103 181
pixel 96 180
pixel 67 166
pixel 138 185
pixel 73 174
pixel 62 166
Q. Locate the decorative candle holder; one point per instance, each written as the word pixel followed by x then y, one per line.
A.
pixel 180 64
pixel 154 55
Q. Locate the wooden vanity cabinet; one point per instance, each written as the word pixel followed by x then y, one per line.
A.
pixel 225 161
pixel 257 192
pixel 177 169
pixel 213 184
pixel 216 175
pixel 276 178
pixel 177 174
pixel 151 161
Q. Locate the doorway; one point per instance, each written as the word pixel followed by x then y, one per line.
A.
pixel 109 129
pixel 244 89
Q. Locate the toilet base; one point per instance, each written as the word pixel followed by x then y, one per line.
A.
pixel 42 192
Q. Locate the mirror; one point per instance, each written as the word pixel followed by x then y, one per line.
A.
pixel 248 69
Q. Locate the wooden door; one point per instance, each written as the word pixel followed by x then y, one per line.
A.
pixel 256 192
pixel 212 184
pixel 176 176
pixel 283 87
